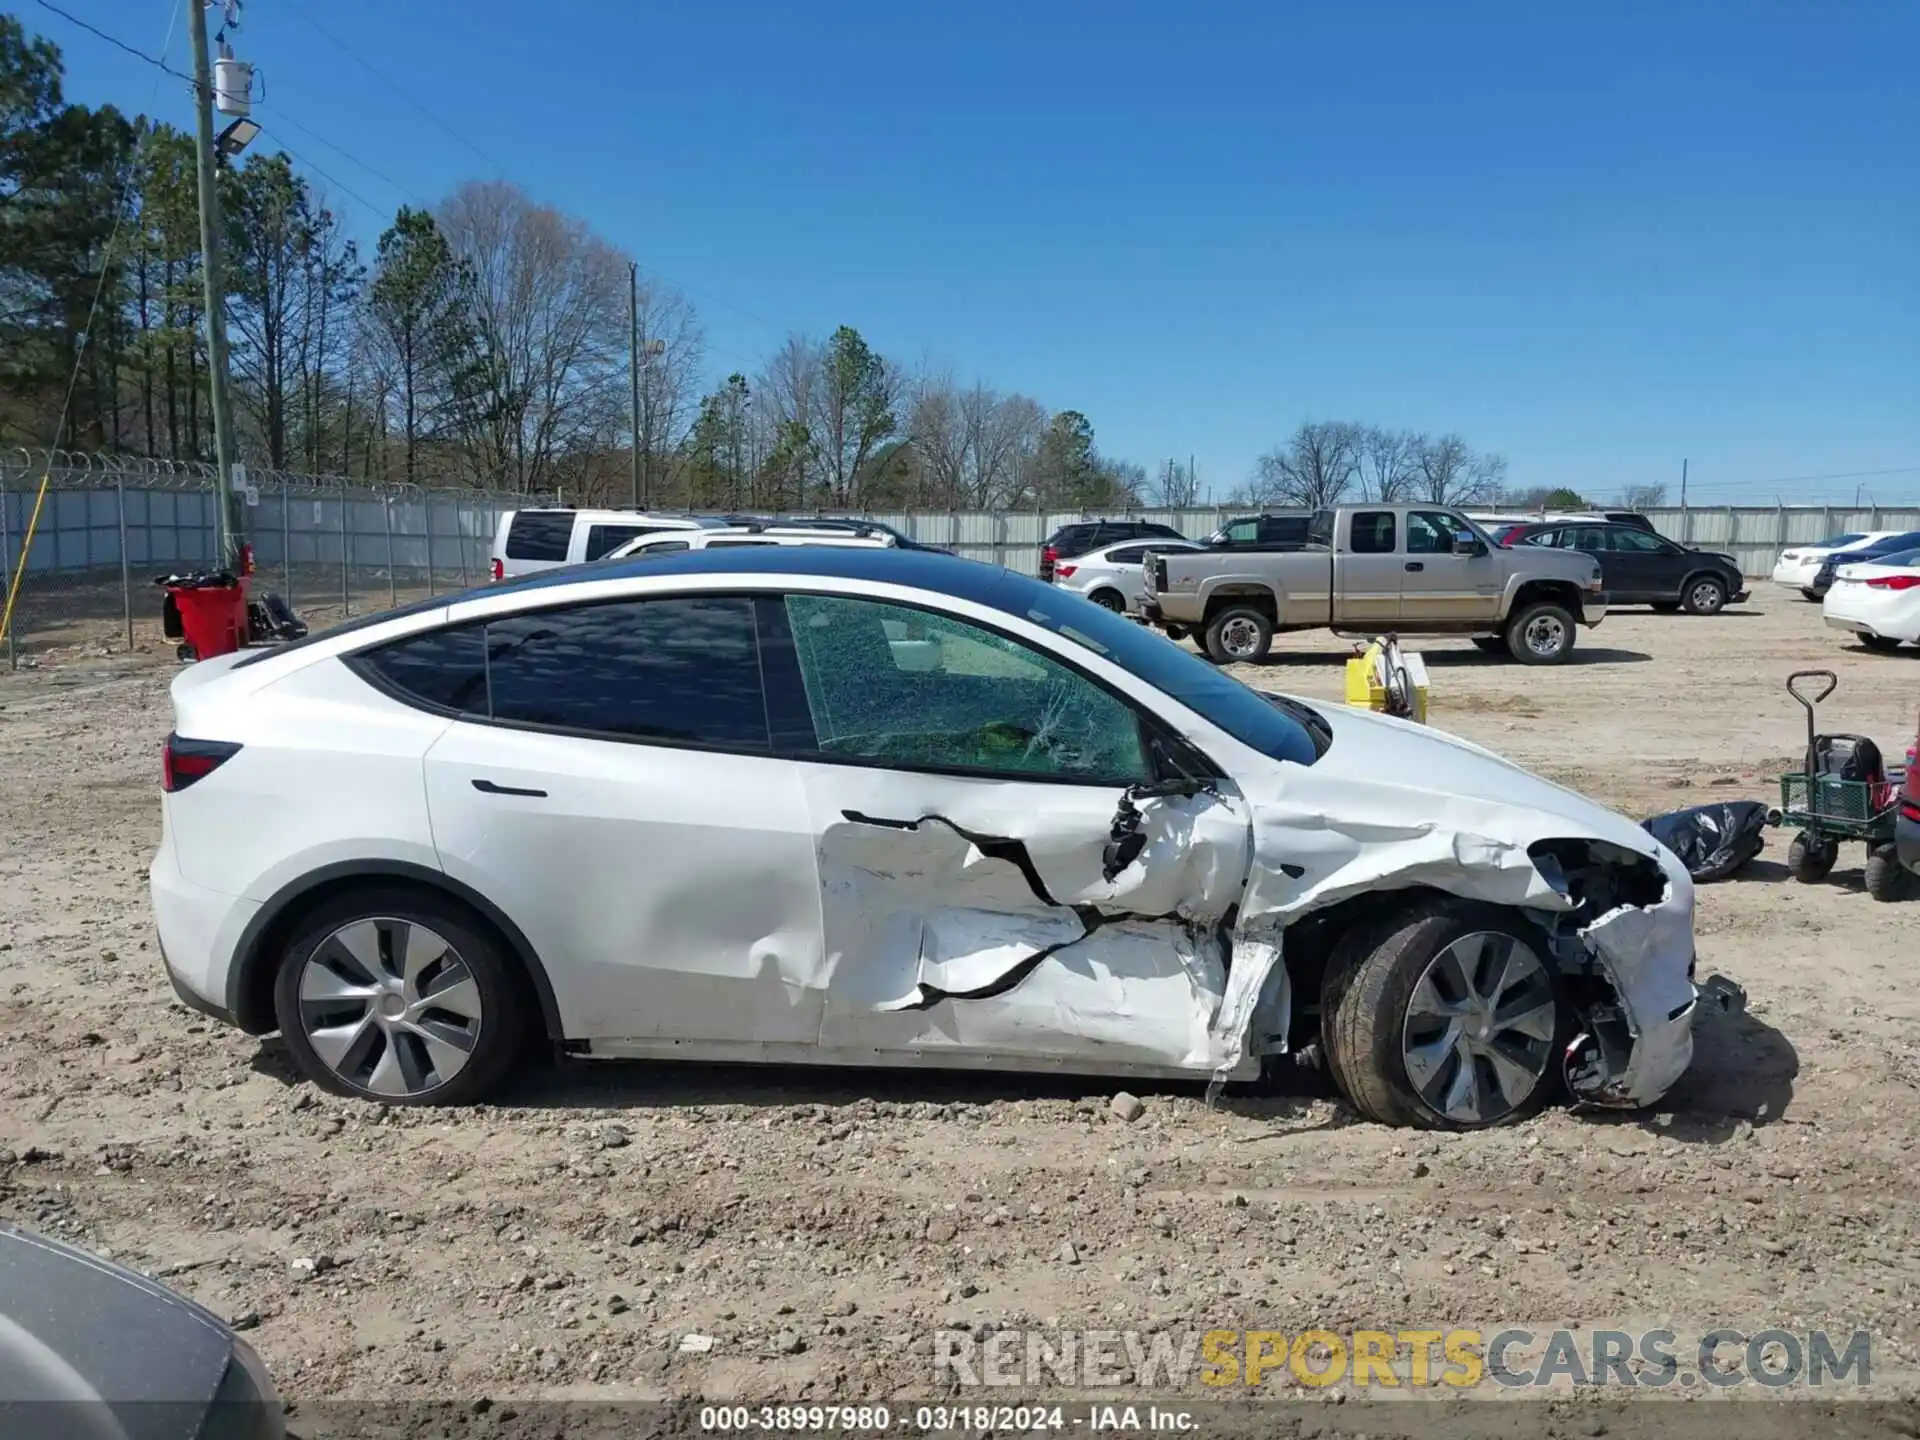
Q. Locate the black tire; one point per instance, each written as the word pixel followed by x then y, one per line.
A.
pixel 1811 861
pixel 1703 595
pixel 507 1008
pixel 1490 644
pixel 1239 635
pixel 1109 600
pixel 1370 982
pixel 1807 594
pixel 1666 607
pixel 1175 633
pixel 1886 878
pixel 1538 619
pixel 1885 644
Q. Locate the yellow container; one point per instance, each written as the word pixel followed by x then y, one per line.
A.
pixel 1367 681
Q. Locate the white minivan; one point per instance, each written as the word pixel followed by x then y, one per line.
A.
pixel 530 540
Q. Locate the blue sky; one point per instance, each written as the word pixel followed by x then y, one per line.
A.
pixel 1595 238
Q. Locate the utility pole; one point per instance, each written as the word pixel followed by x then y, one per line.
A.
pixel 228 516
pixel 633 365
pixel 1683 484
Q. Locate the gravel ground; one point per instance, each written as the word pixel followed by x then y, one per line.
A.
pixel 818 1227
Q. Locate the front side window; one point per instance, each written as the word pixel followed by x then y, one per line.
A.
pixel 909 688
pixel 1431 532
pixel 1373 532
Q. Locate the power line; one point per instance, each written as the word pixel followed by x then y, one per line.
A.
pixel 282 117
pixel 119 44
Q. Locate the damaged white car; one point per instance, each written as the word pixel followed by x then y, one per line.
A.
pixel 875 807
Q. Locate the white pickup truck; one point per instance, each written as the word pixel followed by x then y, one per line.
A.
pixel 1369 569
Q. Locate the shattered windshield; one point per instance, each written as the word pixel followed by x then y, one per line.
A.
pixel 1276 726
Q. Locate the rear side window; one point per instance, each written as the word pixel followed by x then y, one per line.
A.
pixel 685 670
pixel 540 535
pixel 1373 532
pixel 1132 555
pixel 601 539
pixel 1283 530
pixel 446 669
pixel 1240 532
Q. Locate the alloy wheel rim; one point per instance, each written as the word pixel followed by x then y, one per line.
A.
pixel 1546 634
pixel 1239 638
pixel 1479 1028
pixel 390 1006
pixel 1706 595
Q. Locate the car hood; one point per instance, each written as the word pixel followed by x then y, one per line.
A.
pixel 1394 804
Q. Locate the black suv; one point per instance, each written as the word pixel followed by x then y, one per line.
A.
pixel 1639 567
pixel 1084 535
pixel 1261 532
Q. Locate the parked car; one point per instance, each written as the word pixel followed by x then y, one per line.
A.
pixel 1494 523
pixel 1798 565
pixel 91 1348
pixel 875 807
pixel 835 522
pixel 675 542
pixel 1906 822
pixel 1877 600
pixel 1415 569
pixel 1084 535
pixel 1262 532
pixel 1859 554
pixel 1642 568
pixel 1112 576
pixel 527 541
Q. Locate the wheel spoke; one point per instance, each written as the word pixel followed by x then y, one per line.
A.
pixel 388 1078
pixel 320 982
pixel 1537 1021
pixel 1427 1001
pixel 1497 968
pixel 453 990
pixel 420 949
pixel 1462 1100
pixel 360 942
pixel 1514 1076
pixel 446 1047
pixel 342 1047
pixel 1427 1063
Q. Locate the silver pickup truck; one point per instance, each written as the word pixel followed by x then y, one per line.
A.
pixel 1369 569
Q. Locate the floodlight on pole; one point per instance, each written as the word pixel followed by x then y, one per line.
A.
pixel 237 136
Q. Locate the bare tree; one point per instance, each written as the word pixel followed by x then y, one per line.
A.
pixel 670 380
pixel 1644 497
pixel 1312 470
pixel 1003 440
pixel 939 432
pixel 1389 462
pixel 550 320
pixel 1175 486
pixel 785 397
pixel 1452 473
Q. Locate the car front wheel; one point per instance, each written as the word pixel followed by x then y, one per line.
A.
pixel 396 995
pixel 1541 634
pixel 1446 1016
pixel 1704 596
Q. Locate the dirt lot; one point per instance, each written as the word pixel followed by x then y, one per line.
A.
pixel 819 1227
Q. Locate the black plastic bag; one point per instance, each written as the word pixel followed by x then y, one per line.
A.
pixel 1712 841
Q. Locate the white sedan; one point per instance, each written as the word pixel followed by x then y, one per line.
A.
pixel 1878 600
pixel 1798 565
pixel 863 806
pixel 1112 576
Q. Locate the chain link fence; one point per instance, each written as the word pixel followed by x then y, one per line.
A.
pixel 325 542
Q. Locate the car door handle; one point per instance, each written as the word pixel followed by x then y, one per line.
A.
pixel 487 787
pixel 1416 564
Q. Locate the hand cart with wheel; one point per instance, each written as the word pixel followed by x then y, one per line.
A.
pixel 1843 792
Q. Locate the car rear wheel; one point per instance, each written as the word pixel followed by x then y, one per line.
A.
pixel 1704 595
pixel 1882 643
pixel 1445 1017
pixel 1109 599
pixel 395 995
pixel 1886 879
pixel 1239 635
pixel 1810 861
pixel 1809 594
pixel 1541 634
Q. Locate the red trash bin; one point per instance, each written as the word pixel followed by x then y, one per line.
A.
pixel 212 613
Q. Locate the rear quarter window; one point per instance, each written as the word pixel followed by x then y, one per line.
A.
pixel 541 535
pixel 602 540
pixel 442 669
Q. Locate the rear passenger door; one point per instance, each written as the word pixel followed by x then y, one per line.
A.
pixel 1366 575
pixel 609 782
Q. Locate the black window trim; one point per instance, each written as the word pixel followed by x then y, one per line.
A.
pixel 1157 736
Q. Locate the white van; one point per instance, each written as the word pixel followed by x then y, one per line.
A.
pixel 672 542
pixel 530 540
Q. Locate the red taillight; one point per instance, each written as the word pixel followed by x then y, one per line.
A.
pixel 1049 557
pixel 1064 572
pixel 184 761
pixel 499 570
pixel 1894 582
